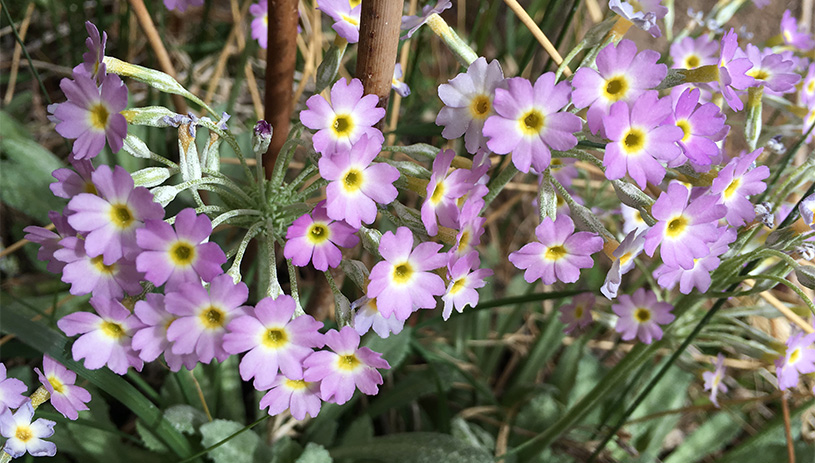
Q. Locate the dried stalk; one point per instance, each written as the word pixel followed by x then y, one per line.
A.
pixel 379 30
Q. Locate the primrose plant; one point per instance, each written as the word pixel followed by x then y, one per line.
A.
pixel 706 216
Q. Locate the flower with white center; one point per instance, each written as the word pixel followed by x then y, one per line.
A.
pixel 24 436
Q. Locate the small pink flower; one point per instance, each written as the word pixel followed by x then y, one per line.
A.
pixel 260 23
pixel 799 358
pixel 464 281
pixel 713 380
pixel 24 436
pixel 347 368
pixel 404 280
pixel 736 182
pixel 179 254
pixel 367 317
pixel 348 117
pixel 90 275
pixel 298 396
pixel 443 192
pixel 68 398
pixel 106 338
pixel 49 240
pixel 640 316
pixel 11 391
pixel 356 184
pixel 273 340
pixel 151 340
pixel 577 315
pixel 559 253
pixel 314 238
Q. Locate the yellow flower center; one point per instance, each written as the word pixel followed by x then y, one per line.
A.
pixel 642 315
pixel 532 122
pixel 811 86
pixel 685 126
pixel 555 252
pixel 438 193
pixel 112 329
pixel 354 3
pixel 731 189
pixel 213 318
pixel 616 88
pixel 348 362
pixel 318 233
pixel 578 311
pixel 350 20
pixel 23 433
pixel 342 125
pixel 90 188
pixel 634 141
pixel 464 242
pixel 56 384
pixel 99 116
pixel 120 216
pixel 458 285
pixel 275 338
pixel 788 36
pixel 795 355
pixel 402 273
pixel 182 254
pixel 625 258
pixel 100 266
pixel 758 74
pixel 480 107
pixel 692 61
pixel 676 226
pixel 352 180
pixel 296 384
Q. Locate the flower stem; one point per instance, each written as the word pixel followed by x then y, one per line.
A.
pixel 379 29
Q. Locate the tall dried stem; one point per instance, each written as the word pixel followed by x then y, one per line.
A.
pixel 379 29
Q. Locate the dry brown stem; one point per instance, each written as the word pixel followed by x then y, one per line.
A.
pixel 379 30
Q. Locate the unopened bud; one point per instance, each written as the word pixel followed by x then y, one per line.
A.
pixel 261 136
pixel 133 146
pixel 328 68
pixel 151 176
pixel 586 221
pixel 356 271
pixel 151 116
pixel 806 275
pixel 764 212
pixel 164 194
pixel 370 239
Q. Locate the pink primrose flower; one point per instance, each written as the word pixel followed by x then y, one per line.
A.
pixel 690 53
pixel 11 391
pixel 260 23
pixel 443 192
pixel 405 280
pixel 702 127
pixel 413 23
pixel 624 255
pixel 49 240
pixel 559 253
pixel 698 276
pixel 713 380
pixel 528 123
pixel 347 368
pixel 799 358
pixel 736 182
pixel 792 35
pixel 577 315
pixel 346 14
pixel 151 340
pixel 732 71
pixel 68 398
pixel 640 316
pixel 90 275
pixel 314 238
pixel 24 436
pixel 367 317
pixel 463 283
pixel 296 395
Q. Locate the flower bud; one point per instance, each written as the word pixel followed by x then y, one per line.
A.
pixel 370 239
pixel 151 176
pixel 356 271
pixel 328 68
pixel 151 116
pixel 632 196
pixel 164 194
pixel 133 146
pixel 261 136
pixel 586 221
pixel 806 275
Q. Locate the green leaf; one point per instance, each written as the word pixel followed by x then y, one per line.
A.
pixel 239 449
pixel 713 435
pixel 415 447
pixel 53 343
pixel 314 453
pixel 149 439
pixel 185 418
pixel 285 450
pixel 394 348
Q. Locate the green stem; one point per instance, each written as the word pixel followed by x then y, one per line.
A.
pixel 499 183
pixel 789 285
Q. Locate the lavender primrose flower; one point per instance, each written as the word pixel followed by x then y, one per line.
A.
pixel 702 126
pixel 442 193
pixel 559 253
pixel 683 231
pixel 348 117
pixel 468 102
pixel 791 34
pixel 68 398
pixel 643 13
pixel 90 275
pixel 179 253
pixel 260 23
pixel 314 238
pixel 356 184
pixel 577 315
pixel 770 69
pixel 92 65
pixel 736 182
pixel 690 52
pixel 622 75
pixel 367 317
pixel 345 14
pixel 106 338
pixel 181 5
pixel 632 219
pixel 24 436
pixel 92 114
pixel 347 368
pixel 49 241
pixel 203 316
pixel 273 340
pixel 698 276
pixel 412 23
pixel 639 138
pixel 626 252
pixel 806 97
pixel 109 220
pixel 470 227
pixel 397 84
pixel 799 358
pixel 640 316
pixel 151 340
pixel 11 391
pixel 405 280
pixel 72 182
pixel 296 395
pixel 463 283
pixel 713 380
pixel 527 122
pixel 732 71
